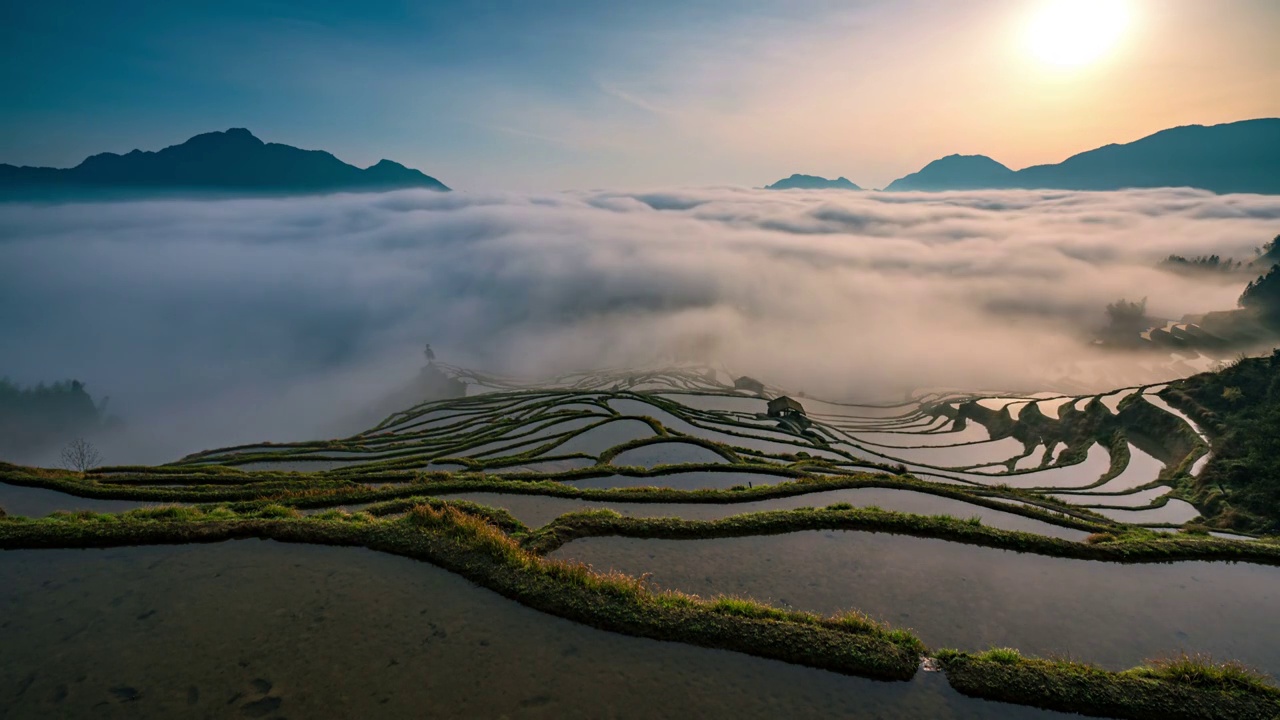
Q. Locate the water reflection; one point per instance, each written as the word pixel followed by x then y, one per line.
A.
pixel 957 595
pixel 18 500
pixel 261 629
pixel 538 510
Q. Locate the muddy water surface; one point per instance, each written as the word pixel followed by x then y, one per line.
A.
pixel 972 598
pixel 252 629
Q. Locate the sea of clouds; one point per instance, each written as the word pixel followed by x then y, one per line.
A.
pixel 211 322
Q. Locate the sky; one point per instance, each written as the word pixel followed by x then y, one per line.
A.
pixel 493 95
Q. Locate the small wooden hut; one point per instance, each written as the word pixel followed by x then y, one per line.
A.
pixel 784 406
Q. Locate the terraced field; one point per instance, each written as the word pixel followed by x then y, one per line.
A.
pixel 690 429
pixel 1023 511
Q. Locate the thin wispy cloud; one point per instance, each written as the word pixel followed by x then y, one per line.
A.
pixel 634 100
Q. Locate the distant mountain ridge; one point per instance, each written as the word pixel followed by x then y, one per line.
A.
pixel 956 172
pixel 233 160
pixel 1239 157
pixel 812 182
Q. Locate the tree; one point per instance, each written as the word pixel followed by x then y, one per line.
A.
pixel 1202 263
pixel 1269 254
pixel 1263 294
pixel 1127 318
pixel 36 420
pixel 1125 311
pixel 80 455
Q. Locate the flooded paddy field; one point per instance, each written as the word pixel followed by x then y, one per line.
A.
pixel 957 595
pixel 1028 442
pixel 538 510
pixel 215 631
pixel 38 502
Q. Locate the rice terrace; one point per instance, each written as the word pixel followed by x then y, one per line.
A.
pixel 725 359
pixel 671 504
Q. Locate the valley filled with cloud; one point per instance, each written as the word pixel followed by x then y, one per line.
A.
pixel 234 320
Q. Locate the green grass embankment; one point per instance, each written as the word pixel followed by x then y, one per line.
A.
pixel 1184 688
pixel 1132 546
pixel 449 537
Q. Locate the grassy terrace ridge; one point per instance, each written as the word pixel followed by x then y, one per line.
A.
pixel 384 448
pixel 451 538
pixel 308 490
pixel 1110 541
pixel 1131 546
pixel 1182 688
pixel 760 493
pixel 490 423
pixel 470 540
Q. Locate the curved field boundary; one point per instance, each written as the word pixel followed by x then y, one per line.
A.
pixel 1134 547
pixel 450 537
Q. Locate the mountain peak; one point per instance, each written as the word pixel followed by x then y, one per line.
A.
pixel 1241 156
pixel 799 181
pixel 232 160
pixel 958 160
pixel 955 172
pixel 230 136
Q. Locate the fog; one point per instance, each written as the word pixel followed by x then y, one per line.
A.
pixel 222 321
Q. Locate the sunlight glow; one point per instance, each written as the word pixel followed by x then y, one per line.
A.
pixel 1073 33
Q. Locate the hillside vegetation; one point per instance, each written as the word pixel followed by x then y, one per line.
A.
pixel 1240 406
pixel 35 419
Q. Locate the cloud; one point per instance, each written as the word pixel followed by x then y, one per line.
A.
pixel 221 321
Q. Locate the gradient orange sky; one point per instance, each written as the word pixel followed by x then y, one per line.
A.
pixel 878 92
pixel 502 94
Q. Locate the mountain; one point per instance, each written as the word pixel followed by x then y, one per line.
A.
pixel 233 161
pixel 1233 157
pixel 956 172
pixel 812 182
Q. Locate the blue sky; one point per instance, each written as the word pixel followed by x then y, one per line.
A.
pixel 562 93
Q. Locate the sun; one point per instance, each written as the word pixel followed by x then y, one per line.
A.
pixel 1074 33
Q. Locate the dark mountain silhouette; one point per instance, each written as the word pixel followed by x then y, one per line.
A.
pixel 1233 157
pixel 956 172
pixel 812 182
pixel 233 161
